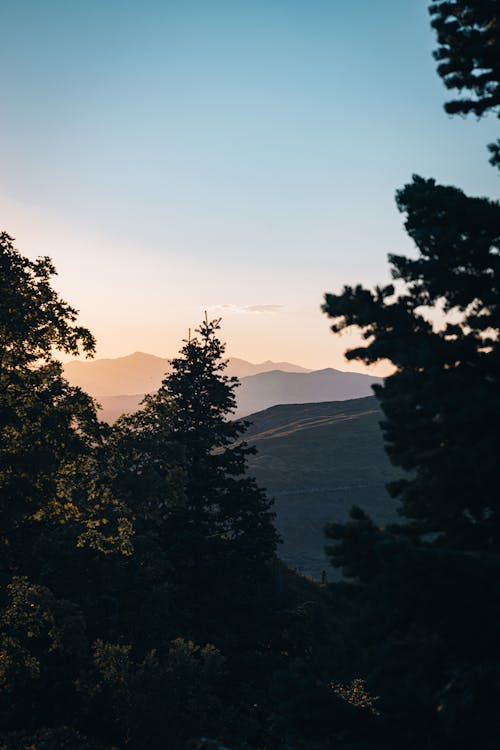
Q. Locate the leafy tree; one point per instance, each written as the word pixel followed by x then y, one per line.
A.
pixel 164 698
pixel 34 320
pixel 49 430
pixel 54 499
pixel 468 36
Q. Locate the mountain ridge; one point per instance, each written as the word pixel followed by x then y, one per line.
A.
pixel 140 372
pixel 268 389
pixel 119 384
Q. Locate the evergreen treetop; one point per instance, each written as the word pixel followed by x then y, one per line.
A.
pixel 468 55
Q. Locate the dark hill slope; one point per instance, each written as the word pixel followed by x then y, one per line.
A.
pixel 317 460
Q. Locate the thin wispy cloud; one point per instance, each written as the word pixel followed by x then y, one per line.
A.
pixel 247 308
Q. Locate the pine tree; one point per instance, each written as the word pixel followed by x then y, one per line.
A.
pixel 429 583
pixel 468 54
pixel 441 332
pixel 220 535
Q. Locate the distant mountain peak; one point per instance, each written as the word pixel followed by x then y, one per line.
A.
pixel 115 382
pixel 143 356
pixel 140 372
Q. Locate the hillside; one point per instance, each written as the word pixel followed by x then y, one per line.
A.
pixel 317 460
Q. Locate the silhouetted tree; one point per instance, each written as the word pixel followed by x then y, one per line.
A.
pixel 219 532
pixel 90 648
pixel 49 430
pixel 428 585
pixel 431 580
pixel 440 330
pixel 54 501
pixel 119 545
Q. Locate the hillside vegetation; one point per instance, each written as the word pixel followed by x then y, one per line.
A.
pixel 317 461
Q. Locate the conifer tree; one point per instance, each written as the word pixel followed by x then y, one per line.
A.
pixel 441 332
pixel 220 534
pixel 468 54
pixel 430 582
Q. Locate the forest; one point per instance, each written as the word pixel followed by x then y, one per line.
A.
pixel 142 601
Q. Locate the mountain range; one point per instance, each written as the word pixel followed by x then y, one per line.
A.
pixel 120 384
pixel 268 389
pixel 141 373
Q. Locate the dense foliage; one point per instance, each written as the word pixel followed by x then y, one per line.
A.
pixel 440 328
pixel 222 533
pixel 427 587
pixel 431 580
pixel 141 604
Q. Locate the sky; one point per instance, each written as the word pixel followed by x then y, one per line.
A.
pixel 234 156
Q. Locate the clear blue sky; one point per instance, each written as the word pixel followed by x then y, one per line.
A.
pixel 173 156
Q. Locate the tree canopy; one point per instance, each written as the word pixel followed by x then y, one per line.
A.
pixel 427 585
pixel 141 603
pixel 439 326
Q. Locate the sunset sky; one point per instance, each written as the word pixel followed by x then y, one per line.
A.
pixel 239 156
